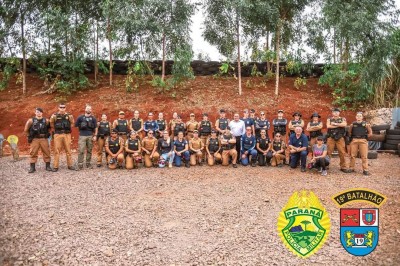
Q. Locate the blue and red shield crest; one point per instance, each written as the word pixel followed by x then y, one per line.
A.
pixel 359 230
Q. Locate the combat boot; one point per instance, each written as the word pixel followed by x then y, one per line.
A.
pixel 48 167
pixel 32 169
pixel 187 164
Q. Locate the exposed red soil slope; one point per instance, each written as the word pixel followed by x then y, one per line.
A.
pixel 203 94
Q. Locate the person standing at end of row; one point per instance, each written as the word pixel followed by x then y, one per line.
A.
pixel 37 130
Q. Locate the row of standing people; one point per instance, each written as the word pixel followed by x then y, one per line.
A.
pixel 248 137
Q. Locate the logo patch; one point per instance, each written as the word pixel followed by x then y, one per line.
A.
pixel 303 224
pixel 359 230
pixel 359 227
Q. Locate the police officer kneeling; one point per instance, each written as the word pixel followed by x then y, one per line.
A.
pixel 298 145
pixel 37 129
pixel 115 150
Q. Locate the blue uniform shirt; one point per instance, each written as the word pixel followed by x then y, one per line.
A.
pixel 300 142
pixel 248 122
pixel 247 143
pixel 150 125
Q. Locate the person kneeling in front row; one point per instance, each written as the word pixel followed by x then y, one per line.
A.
pixel 298 144
pixel 115 150
pixel 320 158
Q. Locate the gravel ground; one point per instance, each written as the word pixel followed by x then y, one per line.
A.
pixel 198 216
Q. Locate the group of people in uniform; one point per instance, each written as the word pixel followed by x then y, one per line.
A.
pixel 129 143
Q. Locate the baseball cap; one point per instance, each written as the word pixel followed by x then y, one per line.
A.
pixel 121 113
pixel 336 109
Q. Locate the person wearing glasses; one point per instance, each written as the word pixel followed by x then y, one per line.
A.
pixel 137 124
pixel 359 131
pixel 149 148
pixel 115 150
pixel 237 129
pixel 166 150
pixel 277 151
pixel 196 148
pixel 247 148
pixel 61 123
pixel 191 126
pixel 132 150
pixel 263 148
pixel 298 148
pixel 150 124
pixel 181 149
pixel 320 158
pixel 262 124
pixel 122 125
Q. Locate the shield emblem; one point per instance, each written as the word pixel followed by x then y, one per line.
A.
pixel 359 230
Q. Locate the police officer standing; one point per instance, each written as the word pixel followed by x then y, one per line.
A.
pixel 178 126
pixel 150 124
pixel 122 126
pixel 61 122
pixel 297 121
pixel 237 129
pixel 136 124
pixel 103 131
pixel 205 130
pixel 248 121
pixel 37 129
pixel 87 126
pixel 279 124
pixel 359 131
pixel 191 126
pixel 222 122
pixel 162 125
pixel 336 130
pixel 262 124
pixel 314 127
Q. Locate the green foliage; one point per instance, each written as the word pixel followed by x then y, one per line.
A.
pixel 135 75
pixel 255 72
pixel 300 82
pixel 10 67
pixel 224 69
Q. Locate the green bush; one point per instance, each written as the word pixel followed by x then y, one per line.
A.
pixel 11 66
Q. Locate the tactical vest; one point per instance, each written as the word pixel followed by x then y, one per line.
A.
pixel 161 125
pixel 180 145
pixel 205 127
pixel 336 133
pixel 359 130
pixel 260 124
pixel 62 124
pixel 227 146
pixel 122 126
pixel 213 145
pixel 279 125
pixel 104 129
pixel 314 134
pixel 113 145
pixel 295 123
pixel 247 143
pixel 39 128
pixel 150 125
pixel 192 125
pixel 148 143
pixel 277 145
pixel 136 123
pixel 133 144
pixel 179 127
pixel 196 144
pixel 263 143
pixel 87 123
pixel 165 147
pixel 223 123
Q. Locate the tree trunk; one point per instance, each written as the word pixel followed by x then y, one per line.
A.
pixel 267 50
pixel 163 58
pixel 110 49
pixel 334 46
pixel 96 53
pixel 23 54
pixel 277 37
pixel 238 58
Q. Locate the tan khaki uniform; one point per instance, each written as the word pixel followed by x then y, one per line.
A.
pixel 62 140
pixel 195 144
pixel 38 143
pixel 191 126
pixel 150 143
pixel 120 156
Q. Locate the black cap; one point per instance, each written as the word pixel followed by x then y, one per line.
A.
pixel 315 115
pixel 39 109
pixel 296 113
pixel 280 111
pixel 222 110
pixel 336 109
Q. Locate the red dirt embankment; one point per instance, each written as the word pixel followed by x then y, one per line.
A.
pixel 203 94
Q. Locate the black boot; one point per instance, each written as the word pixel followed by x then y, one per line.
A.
pixel 32 169
pixel 48 167
pixel 187 164
pixel 253 162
